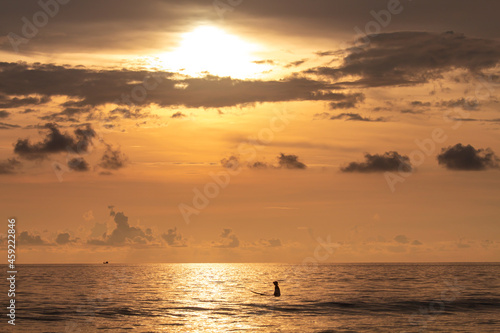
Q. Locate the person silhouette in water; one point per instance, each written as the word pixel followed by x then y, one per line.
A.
pixel 277 292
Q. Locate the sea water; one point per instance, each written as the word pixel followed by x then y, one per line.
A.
pixel 217 298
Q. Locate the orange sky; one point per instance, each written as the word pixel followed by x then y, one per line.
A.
pixel 167 132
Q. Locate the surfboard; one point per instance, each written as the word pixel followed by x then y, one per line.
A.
pixel 259 293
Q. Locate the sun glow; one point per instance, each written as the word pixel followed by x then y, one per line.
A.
pixel 211 50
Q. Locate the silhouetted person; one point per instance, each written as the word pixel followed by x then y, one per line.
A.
pixel 277 292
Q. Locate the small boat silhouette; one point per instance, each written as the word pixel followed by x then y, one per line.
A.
pixel 105 262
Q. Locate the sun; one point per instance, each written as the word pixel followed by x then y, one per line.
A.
pixel 208 49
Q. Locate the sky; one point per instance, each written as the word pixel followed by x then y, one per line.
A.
pixel 250 131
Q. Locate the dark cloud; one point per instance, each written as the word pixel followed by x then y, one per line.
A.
pixel 410 111
pixel 229 239
pixel 25 238
pixel 460 157
pixel 410 58
pixel 78 164
pixel 91 88
pixel 416 242
pixel 466 104
pixel 494 120
pixel 389 161
pixel 173 238
pixel 93 26
pixel 402 239
pixel 8 126
pixel 113 159
pixel 232 162
pixel 417 107
pixel 296 63
pixel 258 165
pixel 420 104
pixel 356 117
pixel 290 162
pixel 18 102
pixel 9 166
pixel 284 162
pixel 178 115
pixel 325 53
pixel 68 114
pixel 263 62
pixel 128 113
pixel 55 142
pixel 64 238
pixel 4 114
pixel 124 234
pixel 348 101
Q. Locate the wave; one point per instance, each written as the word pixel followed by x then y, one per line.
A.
pixel 422 307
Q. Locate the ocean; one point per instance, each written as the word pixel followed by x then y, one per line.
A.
pixel 454 297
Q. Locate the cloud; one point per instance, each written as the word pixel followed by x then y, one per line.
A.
pixel 78 164
pixel 90 88
pixel 494 120
pixel 284 162
pixel 416 242
pixel 258 165
pixel 290 162
pixel 417 107
pixel 460 157
pixel 68 114
pixel 466 104
pixel 124 234
pixel 229 239
pixel 264 62
pixel 273 242
pixel 55 142
pixel 402 239
pixel 349 101
pixel 8 126
pixel 178 115
pixel 99 230
pixel 9 166
pixel 389 161
pixel 64 238
pixel 409 58
pixel 296 63
pixel 356 117
pixel 173 238
pixel 420 104
pixel 113 159
pixel 232 162
pixel 410 111
pixel 25 238
pixel 4 114
pixel 18 102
